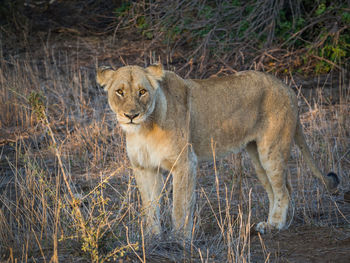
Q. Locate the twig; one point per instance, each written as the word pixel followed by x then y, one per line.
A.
pixel 328 61
pixel 73 203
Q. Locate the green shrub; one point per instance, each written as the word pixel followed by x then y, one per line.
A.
pixel 226 28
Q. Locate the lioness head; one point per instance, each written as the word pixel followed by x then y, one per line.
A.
pixel 132 92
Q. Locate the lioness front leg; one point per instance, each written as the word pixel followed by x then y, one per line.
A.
pixel 184 184
pixel 149 183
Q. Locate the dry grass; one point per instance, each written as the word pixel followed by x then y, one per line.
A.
pixel 67 192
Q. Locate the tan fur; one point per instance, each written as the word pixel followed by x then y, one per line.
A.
pixel 178 121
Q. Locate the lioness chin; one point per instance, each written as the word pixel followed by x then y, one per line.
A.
pixel 172 123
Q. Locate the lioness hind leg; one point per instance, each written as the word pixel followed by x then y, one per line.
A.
pixel 149 183
pixel 261 173
pixel 273 159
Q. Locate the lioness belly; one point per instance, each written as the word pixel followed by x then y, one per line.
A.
pixel 223 135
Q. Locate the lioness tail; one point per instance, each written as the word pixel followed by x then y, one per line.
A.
pixel 331 180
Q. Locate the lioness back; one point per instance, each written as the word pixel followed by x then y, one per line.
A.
pixel 232 110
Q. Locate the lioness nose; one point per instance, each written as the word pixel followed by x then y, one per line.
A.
pixel 131 116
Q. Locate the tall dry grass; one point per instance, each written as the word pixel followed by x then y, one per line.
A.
pixel 67 192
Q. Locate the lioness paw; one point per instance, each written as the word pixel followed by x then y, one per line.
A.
pixel 262 227
pixel 265 227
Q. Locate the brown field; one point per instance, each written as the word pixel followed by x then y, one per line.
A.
pixel 67 192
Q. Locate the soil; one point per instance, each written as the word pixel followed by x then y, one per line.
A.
pixel 304 244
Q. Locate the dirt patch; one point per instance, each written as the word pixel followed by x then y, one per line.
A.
pixel 303 244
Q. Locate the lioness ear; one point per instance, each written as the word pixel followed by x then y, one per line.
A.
pixel 103 75
pixel 156 71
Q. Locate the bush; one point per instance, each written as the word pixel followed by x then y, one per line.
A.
pixel 226 28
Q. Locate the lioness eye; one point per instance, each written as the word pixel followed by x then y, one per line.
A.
pixel 143 92
pixel 120 92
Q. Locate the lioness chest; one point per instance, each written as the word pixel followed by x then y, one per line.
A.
pixel 151 150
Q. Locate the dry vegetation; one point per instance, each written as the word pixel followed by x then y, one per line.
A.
pixel 66 189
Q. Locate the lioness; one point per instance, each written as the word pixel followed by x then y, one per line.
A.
pixel 172 123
